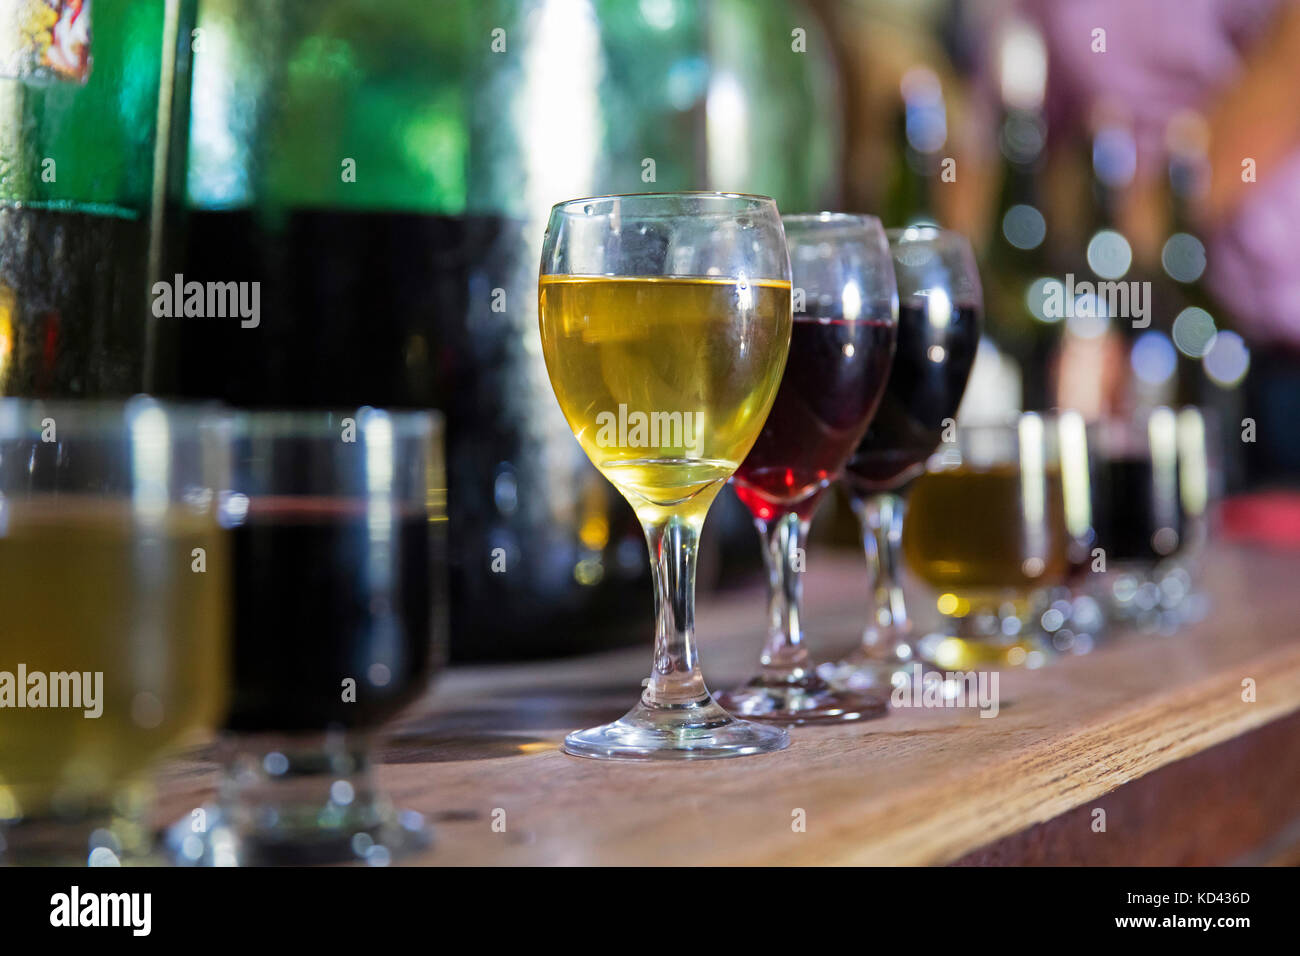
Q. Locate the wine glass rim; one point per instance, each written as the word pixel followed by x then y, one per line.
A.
pixel 1140 417
pixel 19 416
pixel 1010 421
pixel 923 232
pixel 756 198
pixel 308 423
pixel 801 218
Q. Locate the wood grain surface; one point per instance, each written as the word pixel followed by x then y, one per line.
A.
pixel 920 786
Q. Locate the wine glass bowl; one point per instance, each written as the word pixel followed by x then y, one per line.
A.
pixel 114 567
pixel 939 311
pixel 1150 492
pixel 840 352
pixel 940 306
pixel 336 525
pixel 988 530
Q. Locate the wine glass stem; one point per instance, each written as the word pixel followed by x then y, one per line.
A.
pixel 784 654
pixel 881 519
pixel 676 678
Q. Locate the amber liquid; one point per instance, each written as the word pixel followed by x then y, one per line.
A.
pixel 979 532
pixel 665 381
pixel 92 586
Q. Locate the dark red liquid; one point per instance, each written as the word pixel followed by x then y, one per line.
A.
pixel 833 380
pixel 1126 513
pixel 322 595
pixel 931 365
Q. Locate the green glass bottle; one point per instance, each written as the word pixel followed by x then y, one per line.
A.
pixel 384 172
pixel 86 119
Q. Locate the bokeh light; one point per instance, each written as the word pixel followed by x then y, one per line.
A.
pixel 1022 59
pixel 1036 298
pixel 1091 317
pixel 1183 257
pixel 1194 331
pixel 926 117
pixel 1114 156
pixel 1153 358
pixel 1109 254
pixel 1024 227
pixel 1227 360
pixel 660 14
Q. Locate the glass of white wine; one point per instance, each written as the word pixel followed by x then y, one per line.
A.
pixel 665 322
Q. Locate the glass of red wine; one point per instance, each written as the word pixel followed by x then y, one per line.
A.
pixel 1150 488
pixel 337 624
pixel 939 311
pixel 845 308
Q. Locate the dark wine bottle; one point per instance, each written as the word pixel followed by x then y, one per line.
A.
pixel 1016 257
pixel 921 123
pixel 383 172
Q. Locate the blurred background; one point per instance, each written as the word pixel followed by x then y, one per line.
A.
pixel 385 170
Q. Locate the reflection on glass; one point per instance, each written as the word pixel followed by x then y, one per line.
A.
pixel 1072 619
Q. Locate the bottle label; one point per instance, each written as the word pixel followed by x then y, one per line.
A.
pixel 45 41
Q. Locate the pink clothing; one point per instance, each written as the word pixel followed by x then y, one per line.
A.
pixel 1163 56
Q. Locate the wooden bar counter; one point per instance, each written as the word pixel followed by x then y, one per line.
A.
pixel 1153 730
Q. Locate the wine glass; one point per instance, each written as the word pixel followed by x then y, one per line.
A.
pixel 845 317
pixel 113 602
pixel 1150 493
pixel 338 623
pixel 939 310
pixel 1071 619
pixel 665 324
pixel 989 531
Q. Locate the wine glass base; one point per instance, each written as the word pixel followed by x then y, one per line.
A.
pixel 861 673
pixel 808 700
pixel 696 730
pixel 948 652
pixel 1151 599
pixel 226 840
pixel 297 799
pixel 76 844
pixel 114 832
